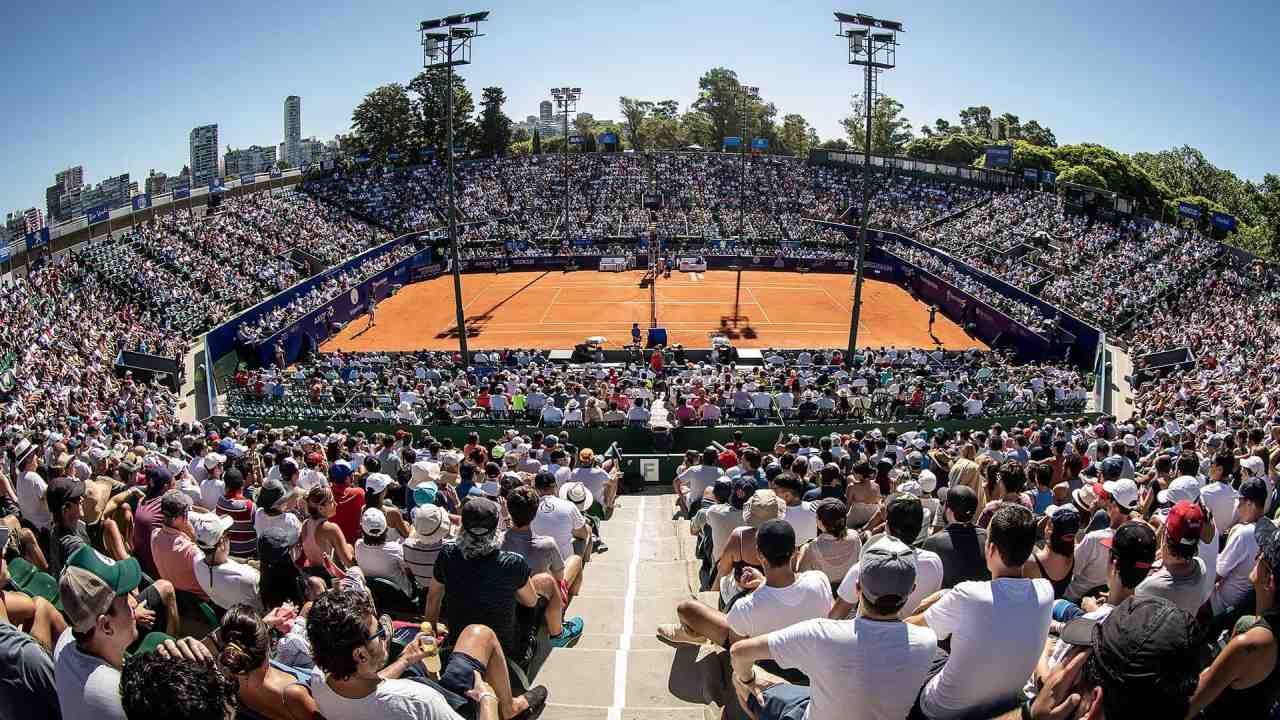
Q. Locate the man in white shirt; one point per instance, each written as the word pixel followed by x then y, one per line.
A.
pixel 552 415
pixel 227 582
pixel 904 517
pixel 31 487
pixel 1089 573
pixel 800 514
pixel 997 628
pixel 212 487
pixel 1217 495
pixel 867 669
pixel 558 518
pixel 973 406
pixel 1237 558
pixel 637 412
pixel 599 482
pixel 773 600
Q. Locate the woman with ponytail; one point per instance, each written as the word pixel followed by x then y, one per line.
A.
pixel 265 691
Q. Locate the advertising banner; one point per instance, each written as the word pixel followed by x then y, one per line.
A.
pixel 999 156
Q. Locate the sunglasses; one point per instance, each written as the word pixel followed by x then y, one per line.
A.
pixel 384 629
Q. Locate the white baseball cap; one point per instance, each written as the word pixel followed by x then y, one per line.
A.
pixel 376 482
pixel 210 528
pixel 213 460
pixel 373 521
pixel 1182 488
pixel 1124 492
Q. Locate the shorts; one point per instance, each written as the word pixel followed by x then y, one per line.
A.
pixel 781 702
pixel 564 593
pixel 459 674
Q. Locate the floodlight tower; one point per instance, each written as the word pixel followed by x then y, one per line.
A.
pixel 567 100
pixel 446 42
pixel 873 44
pixel 746 96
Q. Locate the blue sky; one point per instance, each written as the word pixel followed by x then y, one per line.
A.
pixel 118 86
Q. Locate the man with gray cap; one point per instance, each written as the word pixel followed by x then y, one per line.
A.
pixel 870 668
pixel 173 547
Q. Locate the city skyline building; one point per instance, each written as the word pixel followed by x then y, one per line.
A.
pixel 292 131
pixel 204 154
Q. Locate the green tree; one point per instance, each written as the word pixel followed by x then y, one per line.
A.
pixel 1082 175
pixel 586 128
pixel 1036 134
pixel 664 133
pixel 1012 126
pixel 720 101
pixel 890 131
pixel 431 104
pixel 835 144
pixel 669 109
pixel 797 136
pixel 384 120
pixel 634 114
pixel 535 146
pixel 696 129
pixel 955 148
pixel 495 126
pixel 520 135
pixel 976 120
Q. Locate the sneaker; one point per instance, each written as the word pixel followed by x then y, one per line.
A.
pixel 599 546
pixel 679 634
pixel 537 697
pixel 570 633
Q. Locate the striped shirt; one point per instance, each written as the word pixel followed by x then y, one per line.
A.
pixel 244 539
pixel 421 559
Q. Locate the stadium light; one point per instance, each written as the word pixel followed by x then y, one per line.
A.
pixel 875 52
pixel 567 100
pixel 444 50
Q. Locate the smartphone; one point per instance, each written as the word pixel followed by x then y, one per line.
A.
pixel 5 531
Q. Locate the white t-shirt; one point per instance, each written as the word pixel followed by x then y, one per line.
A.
pixel 210 490
pixel 699 478
pixel 772 608
pixel 1090 569
pixel 594 478
pixel 557 519
pixel 858 670
pixel 1220 498
pixel 390 700
pixel 263 522
pixel 384 561
pixel 231 583
pixel 88 688
pixel 928 581
pixel 803 519
pixel 997 630
pixel 31 489
pixel 1234 565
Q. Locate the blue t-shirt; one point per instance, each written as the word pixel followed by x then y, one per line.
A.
pixel 1042 500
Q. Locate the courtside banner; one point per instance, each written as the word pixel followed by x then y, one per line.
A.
pixel 37 239
pixel 760 143
pixel 999 155
pixel 248 179
pixel 141 201
pixel 1188 210
pixel 99 214
pixel 1223 221
pixel 732 141
pixel 180 193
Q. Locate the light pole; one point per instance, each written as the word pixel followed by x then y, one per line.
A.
pixel 446 42
pixel 874 51
pixel 567 100
pixel 746 95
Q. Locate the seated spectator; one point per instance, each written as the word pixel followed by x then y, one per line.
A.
pixel 870 667
pixel 601 484
pixel 774 599
pixel 233 504
pixel 997 628
pixel 478 583
pixel 835 550
pixel 350 501
pixel 1056 560
pixel 227 582
pixel 27 686
pixel 379 557
pixel 153 686
pixel 273 499
pixel 351 645
pixel 1235 562
pixel 244 652
pixel 320 536
pixel 174 550
pixel 799 513
pixel 541 552
pixel 432 528
pixel 904 516
pixel 1188 558
pixel 558 518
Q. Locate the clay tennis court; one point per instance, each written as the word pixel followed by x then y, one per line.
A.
pixel 555 310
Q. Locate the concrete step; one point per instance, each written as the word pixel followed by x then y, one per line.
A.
pixel 659 678
pixel 653 579
pixel 603 620
pixel 556 711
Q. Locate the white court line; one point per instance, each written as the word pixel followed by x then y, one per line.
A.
pixel 550 305
pixel 838 304
pixel 759 304
pixel 628 617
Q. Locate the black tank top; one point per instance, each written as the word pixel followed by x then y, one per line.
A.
pixel 1234 704
pixel 1059 586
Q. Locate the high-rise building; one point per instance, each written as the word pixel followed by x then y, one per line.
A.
pixel 157 183
pixel 21 222
pixel 253 159
pixel 292 129
pixel 544 111
pixel 204 154
pixel 113 192
pixel 71 178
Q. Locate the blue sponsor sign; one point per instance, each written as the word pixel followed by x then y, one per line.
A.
pixel 326 165
pixel 216 186
pixel 575 140
pixel 37 239
pixel 1031 174
pixel 141 201
pixel 733 141
pixel 1222 221
pixel 4 252
pixel 97 214
pixel 459 147
pixel 759 143
pixel 276 173
pixel 393 156
pixel 428 153
pixel 609 138
pixel 999 155
pixel 582 242
pixel 1189 210
pixel 1048 177
pixel 181 192
pixel 362 158
pixel 248 179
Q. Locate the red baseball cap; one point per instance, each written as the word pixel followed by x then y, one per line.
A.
pixel 1184 524
pixel 314 458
